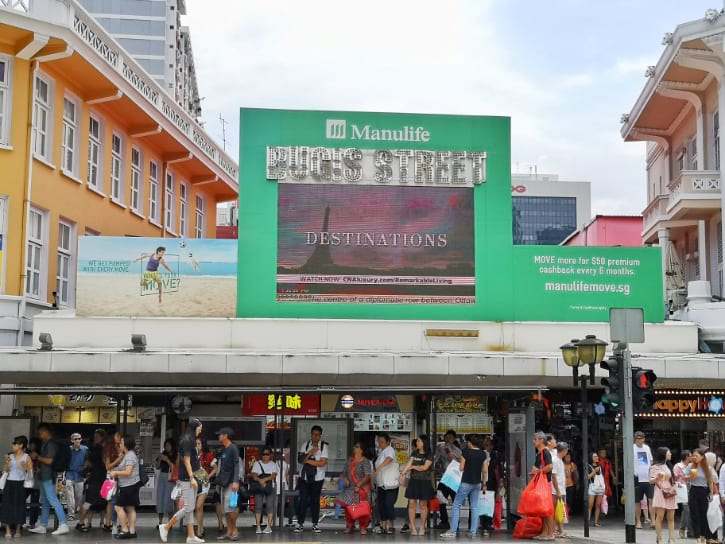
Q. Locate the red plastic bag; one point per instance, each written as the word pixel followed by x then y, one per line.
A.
pixel 528 527
pixel 497 513
pixel 536 499
pixel 434 505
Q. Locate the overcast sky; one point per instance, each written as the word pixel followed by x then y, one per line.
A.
pixel 563 70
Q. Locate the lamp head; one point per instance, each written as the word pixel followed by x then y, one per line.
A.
pixel 570 353
pixel 591 350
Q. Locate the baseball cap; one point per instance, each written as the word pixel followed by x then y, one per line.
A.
pixel 639 434
pixel 75 435
pixel 225 430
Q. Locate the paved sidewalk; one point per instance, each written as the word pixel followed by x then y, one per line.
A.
pixel 611 531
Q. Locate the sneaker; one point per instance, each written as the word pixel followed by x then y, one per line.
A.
pixel 298 529
pixel 267 530
pixel 39 530
pixel 114 530
pixel 61 530
pixel 448 534
pixel 193 539
pixel 163 532
pixel 316 529
pixel 259 530
pixel 405 529
pixel 82 528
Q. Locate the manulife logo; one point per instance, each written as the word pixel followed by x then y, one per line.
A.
pixel 336 129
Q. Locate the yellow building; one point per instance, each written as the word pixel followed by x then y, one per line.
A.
pixel 89 145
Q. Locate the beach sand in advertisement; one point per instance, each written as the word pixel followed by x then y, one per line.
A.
pixel 119 295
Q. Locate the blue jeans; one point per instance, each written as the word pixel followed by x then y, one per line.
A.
pixel 470 492
pixel 48 498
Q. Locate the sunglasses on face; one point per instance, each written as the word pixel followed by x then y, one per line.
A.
pixel 267 453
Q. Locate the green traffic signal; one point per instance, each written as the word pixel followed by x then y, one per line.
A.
pixel 613 385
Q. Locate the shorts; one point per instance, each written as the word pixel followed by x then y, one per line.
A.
pixel 226 492
pixel 128 495
pixel 149 276
pixel 641 489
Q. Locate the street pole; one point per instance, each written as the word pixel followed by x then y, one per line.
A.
pixel 628 445
pixel 585 452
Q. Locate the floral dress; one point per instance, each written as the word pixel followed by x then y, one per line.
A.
pixel 362 468
pixel 660 500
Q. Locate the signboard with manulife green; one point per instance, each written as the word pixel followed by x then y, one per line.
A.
pixel 355 215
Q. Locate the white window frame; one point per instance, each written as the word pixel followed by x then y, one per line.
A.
pixel 183 209
pixel 169 201
pixel 43 119
pixel 692 153
pixel 95 165
pixel 65 264
pixel 154 192
pixel 681 159
pixel 200 212
pixel 136 184
pixel 71 131
pixel 36 257
pixel 117 168
pixel 6 101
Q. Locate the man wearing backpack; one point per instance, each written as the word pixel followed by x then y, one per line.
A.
pixel 73 477
pixel 48 459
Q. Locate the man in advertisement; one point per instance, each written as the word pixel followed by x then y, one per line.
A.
pixel 312 458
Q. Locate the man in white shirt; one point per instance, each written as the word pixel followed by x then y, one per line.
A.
pixel 642 487
pixel 312 458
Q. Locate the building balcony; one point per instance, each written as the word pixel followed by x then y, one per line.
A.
pixel 652 215
pixel 694 195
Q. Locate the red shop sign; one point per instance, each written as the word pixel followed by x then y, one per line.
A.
pixel 287 404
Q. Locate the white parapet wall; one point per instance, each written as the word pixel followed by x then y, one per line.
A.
pixel 71 332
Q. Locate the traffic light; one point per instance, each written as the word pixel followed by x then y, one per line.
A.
pixel 614 384
pixel 643 391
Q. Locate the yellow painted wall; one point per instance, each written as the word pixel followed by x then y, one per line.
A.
pixel 65 198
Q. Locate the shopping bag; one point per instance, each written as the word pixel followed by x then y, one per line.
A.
pixel 177 491
pixel 536 498
pixel 681 493
pixel 3 480
pixel 566 513
pixel 528 527
pixel 559 512
pixel 434 505
pixel 714 514
pixel 486 503
pixel 604 508
pixel 452 476
pixel 108 489
pixel 498 513
pixel 598 486
pixel 359 510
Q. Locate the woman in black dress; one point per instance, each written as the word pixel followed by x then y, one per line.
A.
pixel 420 487
pixel 96 476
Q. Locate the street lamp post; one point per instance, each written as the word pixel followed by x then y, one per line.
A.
pixel 587 352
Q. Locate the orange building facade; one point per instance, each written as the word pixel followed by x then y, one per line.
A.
pixel 89 145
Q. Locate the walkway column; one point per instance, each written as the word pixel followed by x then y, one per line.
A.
pixel 721 113
pixel 702 250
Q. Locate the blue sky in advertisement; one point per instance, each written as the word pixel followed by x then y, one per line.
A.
pixel 563 70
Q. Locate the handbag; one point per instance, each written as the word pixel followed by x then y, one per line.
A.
pixel 29 482
pixel 404 479
pixel 714 514
pixel 174 473
pixel 3 480
pixel 597 486
pixel 452 476
pixel 108 489
pixel 358 510
pixel 255 488
pixel 176 492
pixel 486 503
pixel 201 475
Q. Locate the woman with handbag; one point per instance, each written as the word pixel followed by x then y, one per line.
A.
pixel 165 464
pixel 129 482
pixel 264 476
pixel 703 480
pixel 354 498
pixel 597 487
pixel 387 475
pixel 17 466
pixel 112 456
pixel 664 500
pixel 420 486
pixel 682 488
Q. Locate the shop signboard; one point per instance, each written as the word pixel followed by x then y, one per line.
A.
pixel 156 277
pixel 399 216
pixel 376 421
pixel 687 403
pixel 364 402
pixel 287 404
pixel 461 404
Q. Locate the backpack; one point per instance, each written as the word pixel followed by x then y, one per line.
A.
pixel 62 457
pixel 143 474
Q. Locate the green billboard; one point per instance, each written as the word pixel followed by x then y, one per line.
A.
pixel 401 216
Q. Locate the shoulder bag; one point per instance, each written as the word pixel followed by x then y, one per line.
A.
pixel 255 488
pixel 362 508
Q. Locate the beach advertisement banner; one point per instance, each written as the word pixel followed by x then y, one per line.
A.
pixel 360 215
pixel 156 277
pixel 377 245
